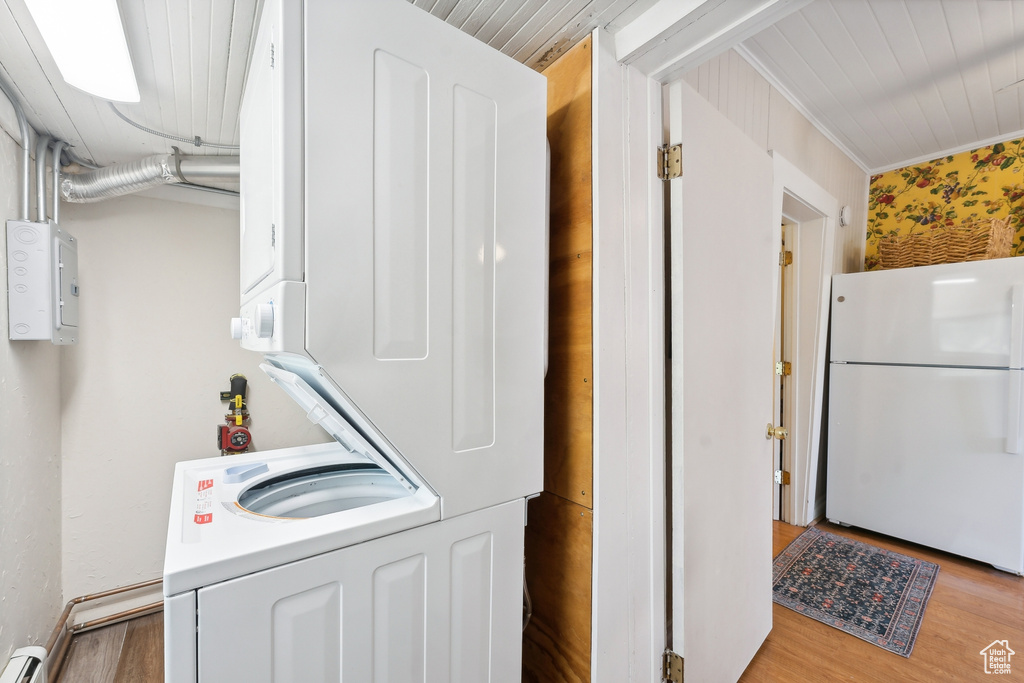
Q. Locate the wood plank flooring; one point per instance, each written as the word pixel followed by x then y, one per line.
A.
pixel 142 655
pixel 972 605
pixel 128 652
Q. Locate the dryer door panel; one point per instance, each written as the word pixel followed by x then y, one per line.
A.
pixel 270 128
pixel 427 258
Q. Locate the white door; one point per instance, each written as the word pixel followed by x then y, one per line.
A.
pixel 724 255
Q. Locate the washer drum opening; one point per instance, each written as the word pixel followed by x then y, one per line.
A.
pixel 317 491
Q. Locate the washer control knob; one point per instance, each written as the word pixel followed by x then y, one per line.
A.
pixel 236 328
pixel 264 321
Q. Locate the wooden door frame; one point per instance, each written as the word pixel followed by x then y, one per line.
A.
pixel 629 583
pixel 630 530
pixel 802 502
pixel 630 551
pixel 782 405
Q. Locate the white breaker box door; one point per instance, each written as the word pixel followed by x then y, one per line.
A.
pixel 42 282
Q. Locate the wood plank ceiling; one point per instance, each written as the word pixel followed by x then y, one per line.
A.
pixel 890 81
pixel 190 58
pixel 900 81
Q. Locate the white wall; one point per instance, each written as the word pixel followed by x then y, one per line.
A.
pixel 141 390
pixel 739 92
pixel 30 466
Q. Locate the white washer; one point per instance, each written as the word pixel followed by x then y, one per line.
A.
pixel 233 516
pixel 327 563
pixel 393 275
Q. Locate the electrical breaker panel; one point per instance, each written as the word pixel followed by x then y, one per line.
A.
pixel 42 282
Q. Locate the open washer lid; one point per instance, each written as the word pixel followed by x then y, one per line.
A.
pixel 328 407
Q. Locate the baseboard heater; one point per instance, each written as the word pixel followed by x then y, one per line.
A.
pixel 26 665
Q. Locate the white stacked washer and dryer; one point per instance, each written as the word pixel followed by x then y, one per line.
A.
pixel 393 275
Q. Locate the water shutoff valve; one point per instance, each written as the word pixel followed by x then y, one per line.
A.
pixel 234 436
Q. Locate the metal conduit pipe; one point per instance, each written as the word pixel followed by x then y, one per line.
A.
pixel 75 159
pixel 42 144
pixel 146 173
pixel 26 142
pixel 58 147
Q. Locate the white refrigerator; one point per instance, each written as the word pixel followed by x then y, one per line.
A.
pixel 925 409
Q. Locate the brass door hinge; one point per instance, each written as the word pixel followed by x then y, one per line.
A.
pixel 783 368
pixel 670 162
pixel 782 477
pixel 672 667
pixel 785 258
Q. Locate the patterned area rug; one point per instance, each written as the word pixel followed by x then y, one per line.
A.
pixel 874 594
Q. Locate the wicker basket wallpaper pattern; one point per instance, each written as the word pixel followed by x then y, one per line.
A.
pixel 970 241
pixel 942 211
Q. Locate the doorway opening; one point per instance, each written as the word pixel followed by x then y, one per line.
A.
pixel 806 216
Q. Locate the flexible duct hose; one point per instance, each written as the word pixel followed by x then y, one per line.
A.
pixel 146 173
pixel 121 179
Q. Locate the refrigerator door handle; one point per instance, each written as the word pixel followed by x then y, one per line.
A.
pixel 1013 406
pixel 1017 327
pixel 1013 400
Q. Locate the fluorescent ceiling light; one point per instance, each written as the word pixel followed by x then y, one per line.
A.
pixel 87 41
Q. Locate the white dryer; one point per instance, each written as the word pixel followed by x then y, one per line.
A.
pixel 393 270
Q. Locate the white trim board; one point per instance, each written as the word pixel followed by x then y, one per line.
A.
pixel 673 36
pixel 948 152
pixel 610 571
pixel 629 610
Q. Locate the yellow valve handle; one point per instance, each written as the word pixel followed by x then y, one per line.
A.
pixel 238 420
pixel 238 400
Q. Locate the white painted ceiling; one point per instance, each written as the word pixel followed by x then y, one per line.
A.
pixel 901 81
pixel 890 81
pixel 190 58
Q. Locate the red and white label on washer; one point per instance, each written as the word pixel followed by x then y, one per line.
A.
pixel 204 504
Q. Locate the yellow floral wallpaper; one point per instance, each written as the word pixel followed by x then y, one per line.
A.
pixel 981 184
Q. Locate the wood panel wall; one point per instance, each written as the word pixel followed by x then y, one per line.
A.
pixel 560 528
pixel 568 399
